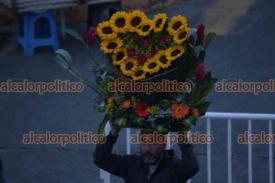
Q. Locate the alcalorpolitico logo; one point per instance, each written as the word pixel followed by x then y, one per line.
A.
pixel 26 86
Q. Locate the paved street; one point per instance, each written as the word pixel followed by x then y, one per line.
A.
pixel 243 49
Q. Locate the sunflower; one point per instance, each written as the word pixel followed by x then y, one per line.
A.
pixel 179 111
pixel 173 53
pixel 105 31
pixel 119 56
pixel 119 21
pixel 151 66
pixel 136 18
pixel 159 21
pixel 138 74
pixel 110 46
pixel 176 24
pixel 128 66
pixel 181 36
pixel 162 59
pixel 145 28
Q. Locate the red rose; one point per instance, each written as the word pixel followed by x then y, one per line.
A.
pixel 200 33
pixel 131 52
pixel 142 110
pixel 136 37
pixel 141 59
pixel 200 72
pixel 164 39
pixel 91 36
pixel 146 43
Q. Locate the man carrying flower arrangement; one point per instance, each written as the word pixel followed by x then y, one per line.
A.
pixel 154 165
pixel 144 50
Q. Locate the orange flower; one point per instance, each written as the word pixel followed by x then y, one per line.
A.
pixel 126 104
pixel 195 112
pixel 110 100
pixel 179 111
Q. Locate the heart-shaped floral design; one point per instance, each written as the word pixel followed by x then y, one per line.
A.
pixel 141 47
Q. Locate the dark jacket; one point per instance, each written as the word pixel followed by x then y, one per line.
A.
pixel 132 169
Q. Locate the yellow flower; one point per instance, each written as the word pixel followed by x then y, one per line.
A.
pixel 176 24
pixel 173 53
pixel 145 28
pixel 180 37
pixel 105 31
pixel 162 59
pixel 151 66
pixel 159 21
pixel 119 21
pixel 136 18
pixel 110 46
pixel 119 56
pixel 138 74
pixel 128 66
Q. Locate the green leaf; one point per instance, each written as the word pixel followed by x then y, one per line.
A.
pixel 102 125
pixel 210 36
pixel 75 35
pixel 121 122
pixel 63 58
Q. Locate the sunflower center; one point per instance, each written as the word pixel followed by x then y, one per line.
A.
pixel 177 25
pixel 112 45
pixel 135 21
pixel 139 73
pixel 152 65
pixel 175 53
pixel 145 28
pixel 158 23
pixel 129 66
pixel 120 22
pixel 163 59
pixel 182 35
pixel 107 30
pixel 120 56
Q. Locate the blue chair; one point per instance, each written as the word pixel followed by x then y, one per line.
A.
pixel 36 30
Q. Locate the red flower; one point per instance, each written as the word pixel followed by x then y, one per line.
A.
pixel 164 39
pixel 146 43
pixel 142 110
pixel 141 59
pixel 91 36
pixel 200 72
pixel 136 37
pixel 153 52
pixel 200 33
pixel 131 52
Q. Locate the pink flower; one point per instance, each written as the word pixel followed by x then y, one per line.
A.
pixel 200 72
pixel 141 59
pixel 131 52
pixel 91 36
pixel 146 43
pixel 200 33
pixel 136 37
pixel 164 39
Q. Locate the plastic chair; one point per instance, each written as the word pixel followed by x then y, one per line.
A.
pixel 37 29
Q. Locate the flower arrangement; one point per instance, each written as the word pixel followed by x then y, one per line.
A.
pixel 140 48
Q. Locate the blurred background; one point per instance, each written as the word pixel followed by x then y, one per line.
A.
pixel 243 49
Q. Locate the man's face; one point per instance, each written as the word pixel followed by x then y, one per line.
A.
pixel 151 153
